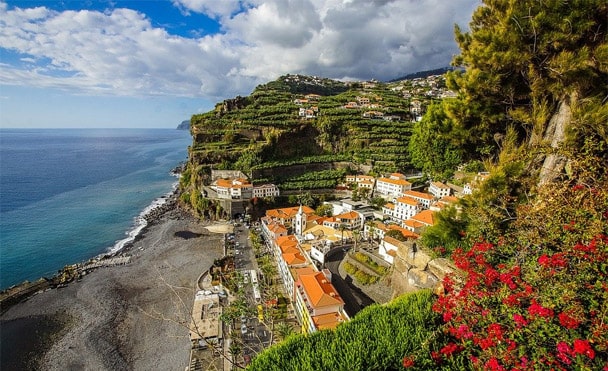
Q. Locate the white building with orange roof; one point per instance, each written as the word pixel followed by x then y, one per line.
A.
pixel 362 181
pixel 287 215
pixel 387 249
pixel 425 199
pixel 317 303
pixel 351 219
pixel 439 190
pixel 405 208
pixel 443 203
pixel 272 229
pixel 289 256
pixel 392 186
pixel 420 221
pixel 238 188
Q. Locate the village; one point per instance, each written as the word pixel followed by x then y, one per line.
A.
pixel 293 271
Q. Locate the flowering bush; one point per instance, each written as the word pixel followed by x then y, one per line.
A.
pixel 535 299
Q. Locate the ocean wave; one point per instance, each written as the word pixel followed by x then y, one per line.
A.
pixel 141 222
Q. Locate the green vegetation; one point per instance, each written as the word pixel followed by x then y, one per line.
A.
pixel 361 277
pixel 368 262
pixel 375 339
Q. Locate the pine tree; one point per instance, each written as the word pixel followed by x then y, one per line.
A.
pixel 539 66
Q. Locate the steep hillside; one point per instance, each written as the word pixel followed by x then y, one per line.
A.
pixel 302 120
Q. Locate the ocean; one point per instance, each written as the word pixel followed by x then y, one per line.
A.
pixel 67 195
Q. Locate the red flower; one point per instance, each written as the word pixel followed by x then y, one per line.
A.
pixel 486 343
pixel 536 309
pixel 436 356
pixel 583 347
pixel 408 362
pixel 450 349
pixel 495 331
pixel 544 260
pixel 563 347
pixel 567 321
pixel 578 187
pixel 493 365
pixel 564 358
pixel 519 320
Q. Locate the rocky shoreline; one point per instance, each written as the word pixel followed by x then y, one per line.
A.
pixel 116 317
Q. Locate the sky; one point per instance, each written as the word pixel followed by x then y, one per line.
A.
pixel 155 63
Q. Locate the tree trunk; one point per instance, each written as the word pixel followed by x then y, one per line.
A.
pixel 554 135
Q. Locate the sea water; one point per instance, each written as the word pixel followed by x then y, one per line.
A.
pixel 67 195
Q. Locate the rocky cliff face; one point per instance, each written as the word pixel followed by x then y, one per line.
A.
pixel 414 269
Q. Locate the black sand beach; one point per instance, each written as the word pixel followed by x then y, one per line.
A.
pixel 129 317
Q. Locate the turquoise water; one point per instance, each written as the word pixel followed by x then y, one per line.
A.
pixel 67 195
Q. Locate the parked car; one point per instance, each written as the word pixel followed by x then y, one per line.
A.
pixel 243 329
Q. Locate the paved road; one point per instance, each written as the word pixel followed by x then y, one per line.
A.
pixel 354 298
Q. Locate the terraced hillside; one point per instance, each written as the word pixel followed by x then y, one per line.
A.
pixel 302 124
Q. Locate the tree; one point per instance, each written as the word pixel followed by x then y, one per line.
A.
pixel 538 66
pixel 284 330
pixel 324 210
pixel 342 227
pixel 431 145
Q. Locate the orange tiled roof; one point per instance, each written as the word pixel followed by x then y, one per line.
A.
pixel 413 223
pixel 425 217
pixel 408 201
pixel 287 243
pixel 418 194
pixel 288 212
pixel 348 215
pixel 449 199
pixel 319 290
pixel 327 321
pixel 405 232
pixel 401 182
pixel 389 205
pixel 225 183
pixel 277 228
pixel 439 185
pixel 294 258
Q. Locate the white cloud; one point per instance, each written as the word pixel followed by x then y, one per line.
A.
pixel 119 51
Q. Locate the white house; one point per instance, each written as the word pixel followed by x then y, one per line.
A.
pixel 266 190
pixel 439 190
pixel 393 186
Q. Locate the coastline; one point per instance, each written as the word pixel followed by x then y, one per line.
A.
pixel 121 317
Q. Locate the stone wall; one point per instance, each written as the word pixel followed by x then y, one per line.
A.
pixel 414 269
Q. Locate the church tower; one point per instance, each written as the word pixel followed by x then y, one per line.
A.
pixel 300 224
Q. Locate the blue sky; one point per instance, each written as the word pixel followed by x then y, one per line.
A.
pixel 154 63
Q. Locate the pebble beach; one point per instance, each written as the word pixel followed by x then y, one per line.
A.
pixel 124 317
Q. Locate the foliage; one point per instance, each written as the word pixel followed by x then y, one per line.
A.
pixel 324 210
pixel 376 339
pixel 369 262
pixel 536 298
pixel 430 146
pixel 523 59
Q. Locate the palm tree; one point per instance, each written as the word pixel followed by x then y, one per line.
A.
pixel 356 236
pixel 284 330
pixel 342 228
pixel 371 229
